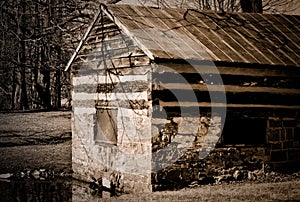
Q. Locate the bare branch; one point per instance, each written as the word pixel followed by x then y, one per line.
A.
pixel 112 1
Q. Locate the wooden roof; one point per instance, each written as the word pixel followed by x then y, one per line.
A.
pixel 197 35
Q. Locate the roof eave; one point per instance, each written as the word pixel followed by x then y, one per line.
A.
pixel 82 41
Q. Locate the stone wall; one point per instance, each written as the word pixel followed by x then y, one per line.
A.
pixel 188 155
pixel 111 121
pixel 130 156
pixel 283 138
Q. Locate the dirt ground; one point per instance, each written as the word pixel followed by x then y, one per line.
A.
pixel 38 140
pixel 42 140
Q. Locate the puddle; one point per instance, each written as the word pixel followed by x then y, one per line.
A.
pixel 48 190
pixel 36 190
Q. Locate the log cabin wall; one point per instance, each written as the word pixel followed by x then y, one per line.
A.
pixel 261 126
pixel 129 96
pixel 111 110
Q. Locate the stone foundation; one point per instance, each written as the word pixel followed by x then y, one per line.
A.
pixel 208 160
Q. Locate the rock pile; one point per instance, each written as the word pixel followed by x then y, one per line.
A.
pixel 223 165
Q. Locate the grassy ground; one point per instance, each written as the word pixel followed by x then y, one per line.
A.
pixel 34 141
pixel 39 128
pixel 281 191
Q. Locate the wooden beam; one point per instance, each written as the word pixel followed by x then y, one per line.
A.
pixel 224 88
pixel 207 69
pixel 223 105
pixel 261 98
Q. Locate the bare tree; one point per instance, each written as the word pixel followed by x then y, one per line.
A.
pixel 39 36
pixel 280 6
pixel 270 6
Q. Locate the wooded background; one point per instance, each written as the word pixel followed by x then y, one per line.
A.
pixel 38 38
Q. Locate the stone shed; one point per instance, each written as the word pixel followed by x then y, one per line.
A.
pixel 163 97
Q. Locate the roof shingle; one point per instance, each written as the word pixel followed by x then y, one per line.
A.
pixel 198 35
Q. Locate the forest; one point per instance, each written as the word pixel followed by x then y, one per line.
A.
pixel 38 38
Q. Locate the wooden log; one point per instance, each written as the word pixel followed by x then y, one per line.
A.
pixel 240 97
pixel 225 88
pixel 209 104
pixel 235 80
pixel 202 68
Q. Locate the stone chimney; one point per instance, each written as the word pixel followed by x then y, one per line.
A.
pixel 251 6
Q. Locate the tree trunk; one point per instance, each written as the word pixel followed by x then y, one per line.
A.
pixel 22 57
pixel 251 6
pixel 24 98
pixel 57 89
pixel 14 89
pixel 47 96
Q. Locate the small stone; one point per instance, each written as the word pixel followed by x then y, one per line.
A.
pixel 35 174
pixel 22 174
pixel 251 176
pixel 223 178
pixel 194 184
pixel 237 175
pixel 43 173
pixel 204 120
pixel 28 173
pixel 5 176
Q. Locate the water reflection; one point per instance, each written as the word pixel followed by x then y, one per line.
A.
pixel 82 191
pixel 66 189
pixel 36 190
